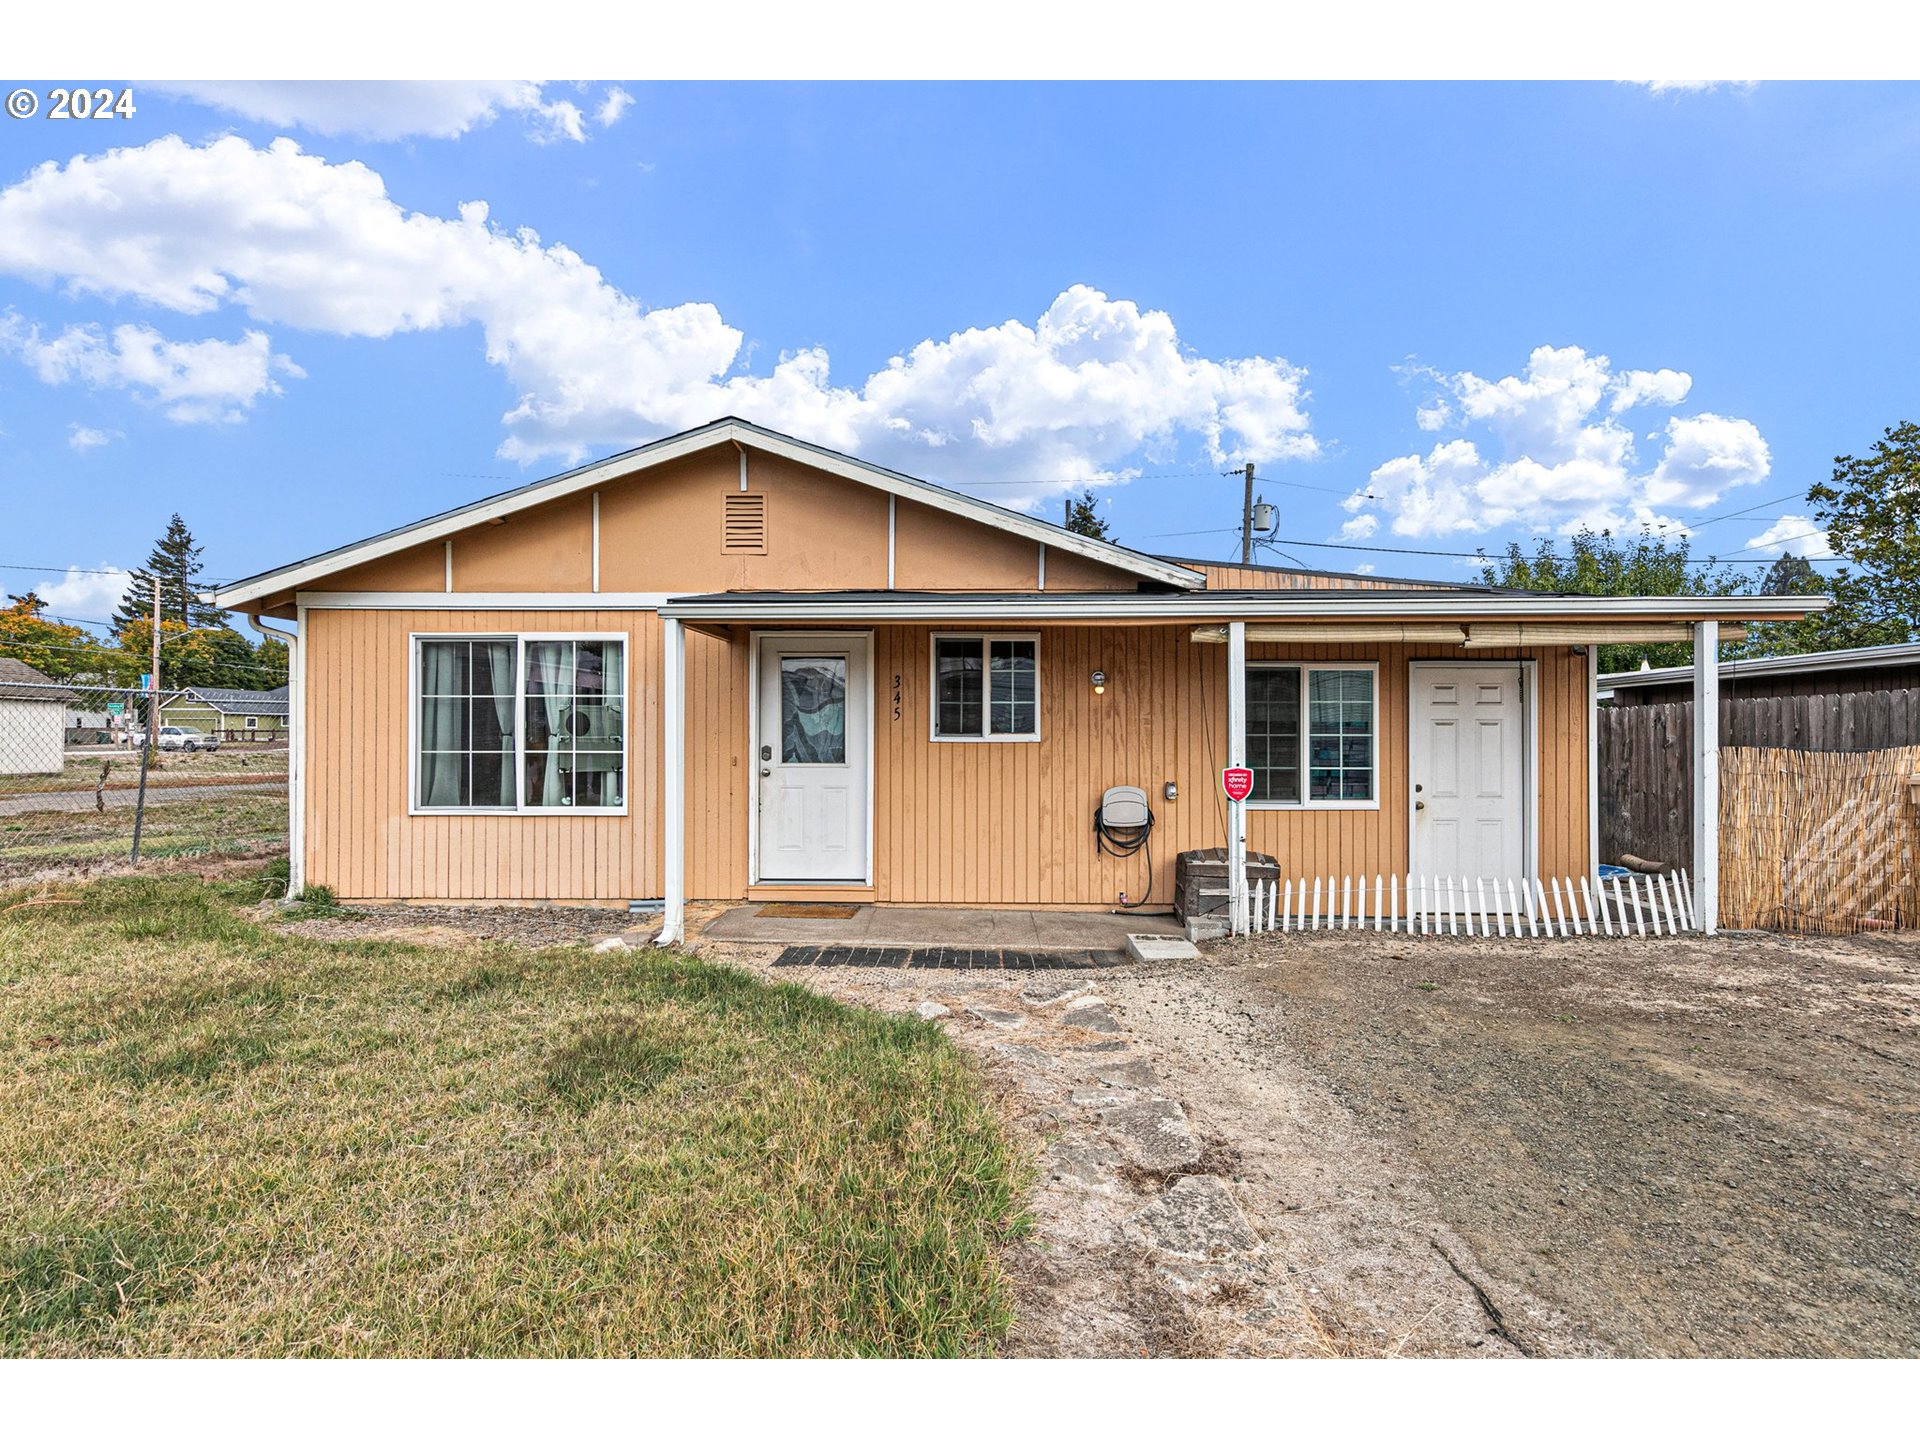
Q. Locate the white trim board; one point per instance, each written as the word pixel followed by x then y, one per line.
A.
pixel 678 447
pixel 1204 609
pixel 482 600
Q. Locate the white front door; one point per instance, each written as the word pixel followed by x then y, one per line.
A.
pixel 811 757
pixel 1468 766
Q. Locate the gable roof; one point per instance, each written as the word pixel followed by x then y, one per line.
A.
pixel 239 702
pixel 674 447
pixel 20 681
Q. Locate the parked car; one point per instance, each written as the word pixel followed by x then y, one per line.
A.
pixel 185 737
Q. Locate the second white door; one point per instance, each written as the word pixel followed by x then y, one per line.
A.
pixel 811 758
pixel 1468 764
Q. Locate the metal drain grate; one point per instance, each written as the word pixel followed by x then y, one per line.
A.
pixel 948 958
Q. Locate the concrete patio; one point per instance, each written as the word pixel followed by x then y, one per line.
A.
pixel 906 925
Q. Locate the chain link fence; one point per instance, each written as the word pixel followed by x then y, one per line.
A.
pixel 79 782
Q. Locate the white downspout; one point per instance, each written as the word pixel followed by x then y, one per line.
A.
pixel 673 775
pixel 296 747
pixel 1706 774
pixel 1237 756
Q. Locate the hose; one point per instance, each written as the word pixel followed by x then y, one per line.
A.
pixel 1124 842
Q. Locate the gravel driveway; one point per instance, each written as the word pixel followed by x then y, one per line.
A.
pixel 1693 1147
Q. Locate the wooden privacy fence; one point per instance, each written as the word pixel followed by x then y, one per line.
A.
pixel 1646 757
pixel 1437 905
pixel 1818 841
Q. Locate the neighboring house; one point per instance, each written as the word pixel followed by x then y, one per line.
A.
pixel 732 664
pixel 229 714
pixel 33 716
pixel 1829 672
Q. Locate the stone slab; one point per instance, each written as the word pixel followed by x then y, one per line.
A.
pixel 1196 1219
pixel 1154 1134
pixel 1161 947
pixel 1091 1014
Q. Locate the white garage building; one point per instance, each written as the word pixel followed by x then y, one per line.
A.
pixel 33 718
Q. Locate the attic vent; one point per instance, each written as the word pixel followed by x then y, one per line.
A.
pixel 745 529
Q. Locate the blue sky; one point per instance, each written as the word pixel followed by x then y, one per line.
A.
pixel 1500 310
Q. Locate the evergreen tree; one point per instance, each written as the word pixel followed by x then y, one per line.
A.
pixel 176 560
pixel 1084 518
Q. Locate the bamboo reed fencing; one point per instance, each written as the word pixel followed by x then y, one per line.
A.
pixel 1821 841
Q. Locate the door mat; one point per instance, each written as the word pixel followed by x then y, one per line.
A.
pixel 903 957
pixel 806 910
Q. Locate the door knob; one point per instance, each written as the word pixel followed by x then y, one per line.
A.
pixel 766 770
pixel 1418 804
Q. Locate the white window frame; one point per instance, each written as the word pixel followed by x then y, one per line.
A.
pixel 253 722
pixel 986 660
pixel 521 639
pixel 1306 669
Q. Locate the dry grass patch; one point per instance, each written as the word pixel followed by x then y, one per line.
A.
pixel 222 1138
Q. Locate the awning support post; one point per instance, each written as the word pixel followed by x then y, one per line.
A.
pixel 1706 774
pixel 674 778
pixel 1236 756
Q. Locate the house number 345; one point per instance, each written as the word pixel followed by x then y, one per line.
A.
pixel 896 697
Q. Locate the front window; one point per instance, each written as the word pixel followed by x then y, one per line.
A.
pixel 515 723
pixel 986 687
pixel 1312 734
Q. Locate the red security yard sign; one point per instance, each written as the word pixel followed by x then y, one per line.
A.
pixel 1237 781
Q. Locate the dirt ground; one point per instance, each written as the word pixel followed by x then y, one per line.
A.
pixel 1676 1147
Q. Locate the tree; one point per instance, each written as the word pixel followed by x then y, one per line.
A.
pixel 1871 513
pixel 56 650
pixel 176 560
pixel 1084 518
pixel 1600 563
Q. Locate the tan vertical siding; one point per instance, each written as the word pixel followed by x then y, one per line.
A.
pixel 361 841
pixel 954 823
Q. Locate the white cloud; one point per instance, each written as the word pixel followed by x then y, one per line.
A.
pixel 1552 454
pixel 615 104
pixel 1360 527
pixel 1436 414
pixel 192 380
pixel 293 240
pixel 84 596
pixel 1795 535
pixel 1661 87
pixel 389 109
pixel 85 437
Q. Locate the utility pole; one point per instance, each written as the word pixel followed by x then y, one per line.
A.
pixel 153 726
pixel 1246 520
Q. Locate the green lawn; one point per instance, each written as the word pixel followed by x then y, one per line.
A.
pixel 222 1139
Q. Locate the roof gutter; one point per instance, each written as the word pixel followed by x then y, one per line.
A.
pixel 1202 608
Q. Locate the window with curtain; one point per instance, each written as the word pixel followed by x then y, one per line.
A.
pixel 986 687
pixel 1312 734
pixel 512 724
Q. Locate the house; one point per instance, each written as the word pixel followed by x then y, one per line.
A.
pixel 1869 669
pixel 33 715
pixel 733 665
pixel 229 714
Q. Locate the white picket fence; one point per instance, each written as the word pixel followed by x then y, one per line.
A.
pixel 1436 905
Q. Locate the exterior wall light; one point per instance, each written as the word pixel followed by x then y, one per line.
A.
pixel 1099 682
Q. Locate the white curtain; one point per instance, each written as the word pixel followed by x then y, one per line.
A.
pixel 500 653
pixel 549 665
pixel 441 728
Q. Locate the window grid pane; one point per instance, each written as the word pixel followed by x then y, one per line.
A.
pixel 1014 709
pixel 1340 736
pixel 957 687
pixel 465 724
pixel 1273 732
